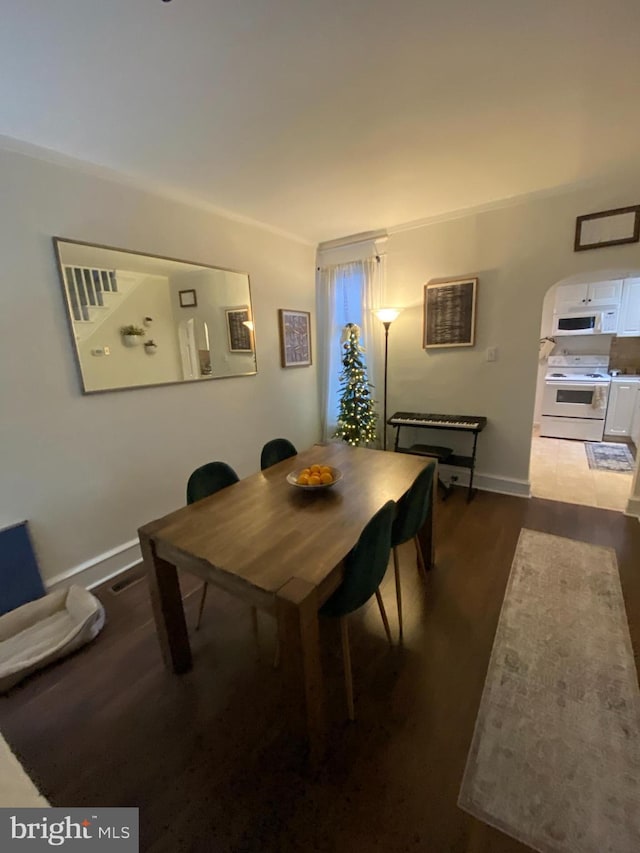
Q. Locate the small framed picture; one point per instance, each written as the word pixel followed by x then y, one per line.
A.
pixel 450 313
pixel 607 228
pixel 295 338
pixel 188 298
pixel 239 329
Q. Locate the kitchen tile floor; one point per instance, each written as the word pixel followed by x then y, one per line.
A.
pixel 560 472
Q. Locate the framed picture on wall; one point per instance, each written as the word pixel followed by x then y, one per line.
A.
pixel 239 333
pixel 188 298
pixel 607 228
pixel 450 313
pixel 295 338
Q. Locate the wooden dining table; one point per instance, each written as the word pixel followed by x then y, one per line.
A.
pixel 279 548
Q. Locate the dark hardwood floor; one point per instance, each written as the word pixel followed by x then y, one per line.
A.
pixel 207 756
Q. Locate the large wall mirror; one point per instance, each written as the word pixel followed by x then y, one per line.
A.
pixel 139 320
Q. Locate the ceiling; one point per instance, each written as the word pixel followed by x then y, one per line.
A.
pixel 333 118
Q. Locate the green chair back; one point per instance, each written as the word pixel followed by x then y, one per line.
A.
pixel 209 479
pixel 365 565
pixel 275 451
pixel 413 507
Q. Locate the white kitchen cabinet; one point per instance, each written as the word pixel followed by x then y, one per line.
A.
pixel 604 293
pixel 629 321
pixel 635 424
pixel 573 297
pixel 569 297
pixel 621 407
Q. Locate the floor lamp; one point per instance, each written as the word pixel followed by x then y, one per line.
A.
pixel 386 316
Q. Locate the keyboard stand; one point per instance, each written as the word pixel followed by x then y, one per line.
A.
pixel 444 455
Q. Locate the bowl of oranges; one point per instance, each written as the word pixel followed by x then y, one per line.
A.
pixel 314 477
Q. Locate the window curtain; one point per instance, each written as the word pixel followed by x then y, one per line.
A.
pixel 347 293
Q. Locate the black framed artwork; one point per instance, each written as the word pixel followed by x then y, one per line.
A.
pixel 450 313
pixel 239 334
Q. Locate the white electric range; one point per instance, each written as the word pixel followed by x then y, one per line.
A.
pixel 575 396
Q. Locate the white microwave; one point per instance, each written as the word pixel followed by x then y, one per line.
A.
pixel 597 322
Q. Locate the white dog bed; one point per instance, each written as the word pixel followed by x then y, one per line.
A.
pixel 45 630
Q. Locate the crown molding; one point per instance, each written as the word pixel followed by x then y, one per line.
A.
pixel 503 203
pixel 57 158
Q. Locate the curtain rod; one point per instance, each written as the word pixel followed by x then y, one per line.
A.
pixel 352 240
pixel 377 257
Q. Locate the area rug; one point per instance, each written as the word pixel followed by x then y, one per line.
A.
pixel 16 788
pixel 555 755
pixel 609 456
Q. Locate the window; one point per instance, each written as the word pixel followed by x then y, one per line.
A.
pixel 347 293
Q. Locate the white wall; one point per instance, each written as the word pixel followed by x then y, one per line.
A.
pixel 518 252
pixel 88 470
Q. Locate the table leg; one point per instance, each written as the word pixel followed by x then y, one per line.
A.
pixel 168 611
pixel 470 492
pixel 426 536
pixel 298 630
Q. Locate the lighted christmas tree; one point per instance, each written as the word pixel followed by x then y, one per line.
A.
pixel 357 418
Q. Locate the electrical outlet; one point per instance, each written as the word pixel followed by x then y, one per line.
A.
pixel 492 353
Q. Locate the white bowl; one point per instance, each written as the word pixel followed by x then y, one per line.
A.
pixel 292 478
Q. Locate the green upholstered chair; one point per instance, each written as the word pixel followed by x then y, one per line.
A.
pixel 364 568
pixel 275 451
pixel 413 508
pixel 207 480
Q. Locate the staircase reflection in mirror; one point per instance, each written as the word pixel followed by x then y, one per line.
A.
pixel 193 313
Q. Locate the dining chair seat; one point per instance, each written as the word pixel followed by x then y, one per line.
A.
pixel 276 451
pixel 364 568
pixel 412 510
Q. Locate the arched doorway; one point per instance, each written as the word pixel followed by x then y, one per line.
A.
pixel 575 458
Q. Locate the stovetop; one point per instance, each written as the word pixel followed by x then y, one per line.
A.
pixel 578 376
pixel 578 368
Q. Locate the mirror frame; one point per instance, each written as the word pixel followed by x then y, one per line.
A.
pixel 57 241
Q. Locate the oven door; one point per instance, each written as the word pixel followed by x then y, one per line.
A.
pixel 577 324
pixel 575 399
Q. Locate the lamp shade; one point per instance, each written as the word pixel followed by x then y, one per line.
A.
pixel 387 315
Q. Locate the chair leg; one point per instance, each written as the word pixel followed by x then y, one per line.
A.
pixel 383 613
pixel 254 627
pixel 205 587
pixel 346 657
pixel 421 564
pixel 396 567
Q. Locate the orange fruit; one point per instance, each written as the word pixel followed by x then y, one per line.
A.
pixel 315 468
pixel 326 477
pixel 303 479
pixel 325 469
pixel 314 480
pixel 305 471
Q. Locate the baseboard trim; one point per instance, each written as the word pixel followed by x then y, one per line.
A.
pixel 487 482
pixel 633 508
pixel 99 569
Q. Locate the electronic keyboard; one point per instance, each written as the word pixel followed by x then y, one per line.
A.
pixel 469 423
